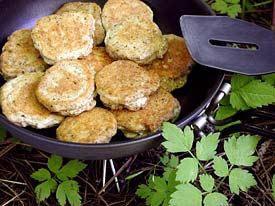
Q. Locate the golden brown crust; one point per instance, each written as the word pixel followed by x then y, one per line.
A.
pixel 90 8
pixel 95 126
pixel 136 39
pixel 98 58
pixel 67 88
pixel 65 36
pixel 161 107
pixel 20 105
pixel 125 84
pixel 19 55
pixel 175 65
pixel 116 11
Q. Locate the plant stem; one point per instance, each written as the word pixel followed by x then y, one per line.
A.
pixel 222 180
pixel 193 156
pixel 263 3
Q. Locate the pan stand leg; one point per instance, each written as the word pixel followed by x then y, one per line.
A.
pixel 114 173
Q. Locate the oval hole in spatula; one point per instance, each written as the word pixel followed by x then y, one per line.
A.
pixel 234 45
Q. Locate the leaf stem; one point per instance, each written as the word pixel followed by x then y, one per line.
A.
pixel 263 3
pixel 222 180
pixel 201 166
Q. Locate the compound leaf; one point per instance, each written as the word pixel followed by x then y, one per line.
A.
pixel 215 199
pixel 54 163
pixel 186 194
pixel 207 182
pixel 70 170
pixel 220 167
pixel 187 170
pixel 239 151
pixel 143 191
pixel 177 140
pixel 240 180
pixel 68 190
pixel 234 10
pixel 44 190
pixel 206 147
pixel 220 6
pixel 41 175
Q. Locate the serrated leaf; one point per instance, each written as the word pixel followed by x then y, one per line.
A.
pixel 215 199
pixel 177 140
pixel 234 10
pixel 54 163
pixel 240 180
pixel 238 81
pixel 186 194
pixel 207 182
pixel 70 170
pixel 273 186
pixel 44 190
pixel 206 147
pixel 269 78
pixel 143 191
pixel 220 6
pixel 220 167
pixel 237 102
pixel 239 151
pixel 41 175
pixel 187 170
pixel 68 190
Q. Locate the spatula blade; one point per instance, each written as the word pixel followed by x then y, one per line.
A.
pixel 208 39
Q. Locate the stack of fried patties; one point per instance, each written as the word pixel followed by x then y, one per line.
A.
pixel 58 71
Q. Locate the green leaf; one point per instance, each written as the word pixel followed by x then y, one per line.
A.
pixel 240 180
pixel 224 112
pixel 177 140
pixel 41 175
pixel 239 151
pixel 220 6
pixel 239 81
pixel 44 190
pixel 133 175
pixel 54 163
pixel 68 190
pixel 233 1
pixel 207 182
pixel 273 186
pixel 70 170
pixel 215 199
pixel 220 167
pixel 237 102
pixel 269 78
pixel 206 148
pixel 187 170
pixel 186 194
pixel 143 191
pixel 234 10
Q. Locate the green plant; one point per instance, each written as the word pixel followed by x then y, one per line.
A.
pixel 273 186
pixel 187 181
pixel 230 7
pixel 59 179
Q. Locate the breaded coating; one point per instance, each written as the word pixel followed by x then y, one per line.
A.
pixel 65 36
pixel 175 65
pixel 136 39
pixel 98 58
pixel 95 126
pixel 161 107
pixel 90 8
pixel 67 88
pixel 19 55
pixel 116 11
pixel 124 84
pixel 20 105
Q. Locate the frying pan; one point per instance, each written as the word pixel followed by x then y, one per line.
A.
pixel 202 84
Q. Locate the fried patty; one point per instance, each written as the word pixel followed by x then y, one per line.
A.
pixel 20 105
pixel 98 58
pixel 67 88
pixel 136 39
pixel 19 55
pixel 116 11
pixel 95 126
pixel 175 65
pixel 161 107
pixel 124 84
pixel 90 8
pixel 65 36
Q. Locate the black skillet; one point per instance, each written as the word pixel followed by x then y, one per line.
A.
pixel 203 82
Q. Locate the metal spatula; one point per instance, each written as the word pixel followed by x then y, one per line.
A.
pixel 229 44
